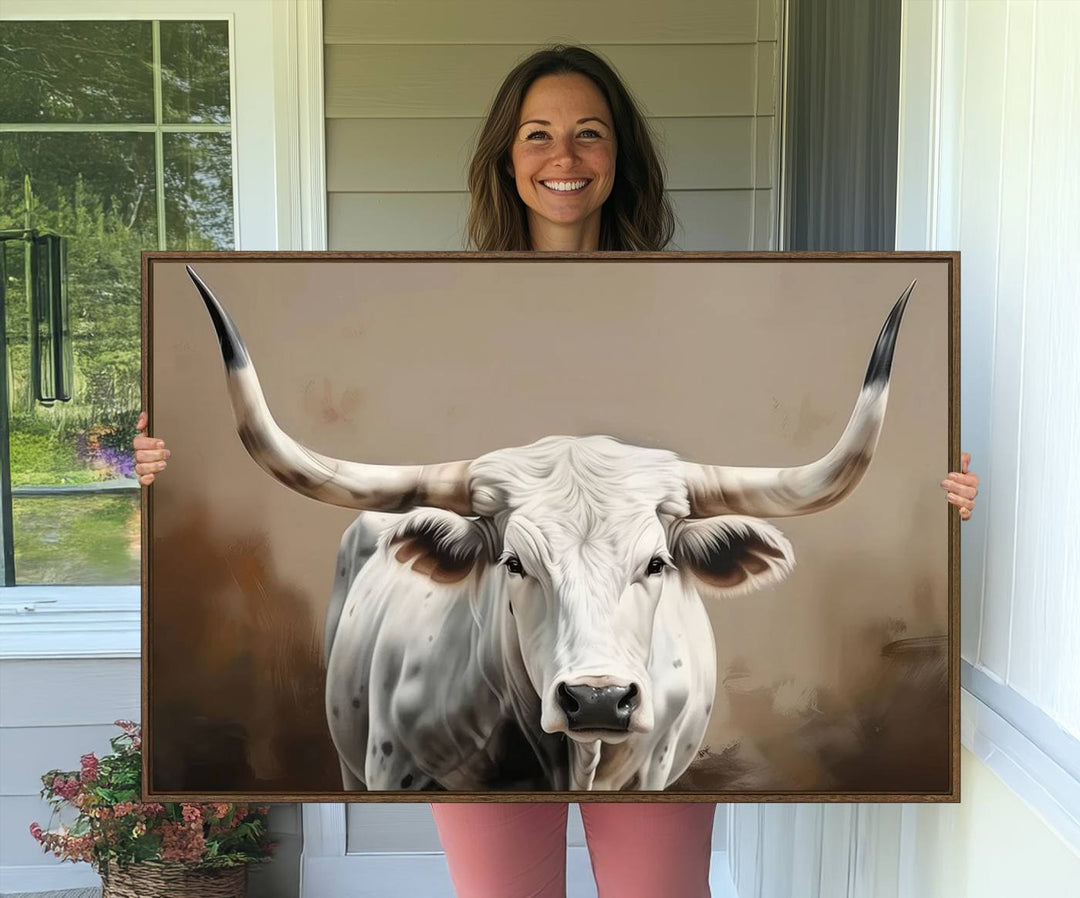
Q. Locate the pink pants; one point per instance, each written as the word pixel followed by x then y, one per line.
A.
pixel 502 850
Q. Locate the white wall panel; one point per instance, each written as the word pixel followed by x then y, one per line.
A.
pixel 390 827
pixel 1046 613
pixel 1002 185
pixel 28 752
pixel 68 693
pixel 1012 225
pixel 977 216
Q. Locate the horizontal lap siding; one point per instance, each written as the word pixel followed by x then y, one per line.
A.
pixel 708 219
pixel 408 84
pixel 526 22
pixel 52 713
pixel 432 154
pixel 460 80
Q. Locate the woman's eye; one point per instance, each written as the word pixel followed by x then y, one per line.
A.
pixel 513 565
pixel 589 132
pixel 656 566
pixel 533 134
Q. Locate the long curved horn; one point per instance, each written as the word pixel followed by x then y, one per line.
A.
pixel 350 484
pixel 785 492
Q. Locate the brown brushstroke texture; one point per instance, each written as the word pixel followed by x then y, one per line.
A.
pixel 237 677
pixel 890 735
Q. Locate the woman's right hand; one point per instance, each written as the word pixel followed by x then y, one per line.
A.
pixel 150 454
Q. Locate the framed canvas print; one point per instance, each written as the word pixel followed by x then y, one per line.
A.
pixel 613 527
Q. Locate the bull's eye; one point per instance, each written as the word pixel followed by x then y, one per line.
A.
pixel 513 565
pixel 656 566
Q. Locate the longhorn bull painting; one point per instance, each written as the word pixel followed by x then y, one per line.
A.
pixel 605 615
pixel 536 618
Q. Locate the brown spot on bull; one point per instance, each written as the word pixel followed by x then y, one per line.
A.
pixel 254 443
pixel 429 559
pixel 847 474
pixel 730 565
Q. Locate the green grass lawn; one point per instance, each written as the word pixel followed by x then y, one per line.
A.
pixel 84 540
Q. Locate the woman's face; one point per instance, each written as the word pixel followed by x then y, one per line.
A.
pixel 563 159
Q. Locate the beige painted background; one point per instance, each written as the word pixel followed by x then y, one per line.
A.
pixel 835 679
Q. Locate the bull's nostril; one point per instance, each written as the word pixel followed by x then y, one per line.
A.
pixel 629 701
pixel 566 701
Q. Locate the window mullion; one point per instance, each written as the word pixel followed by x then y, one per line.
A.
pixel 159 136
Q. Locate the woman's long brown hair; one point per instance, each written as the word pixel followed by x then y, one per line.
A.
pixel 637 215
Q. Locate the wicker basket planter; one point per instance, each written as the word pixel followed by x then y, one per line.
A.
pixel 149 880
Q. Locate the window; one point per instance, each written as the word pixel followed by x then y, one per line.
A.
pixel 117 136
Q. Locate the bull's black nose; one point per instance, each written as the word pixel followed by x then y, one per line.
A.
pixel 597 707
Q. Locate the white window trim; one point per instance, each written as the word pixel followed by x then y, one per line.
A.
pixel 280 201
pixel 1025 748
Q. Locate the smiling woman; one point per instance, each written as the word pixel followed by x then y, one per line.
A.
pixel 563 116
pixel 563 160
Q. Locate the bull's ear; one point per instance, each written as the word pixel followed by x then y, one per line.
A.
pixel 437 544
pixel 731 554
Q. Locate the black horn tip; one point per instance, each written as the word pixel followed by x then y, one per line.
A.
pixel 877 373
pixel 232 347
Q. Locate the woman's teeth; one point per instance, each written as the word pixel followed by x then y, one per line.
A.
pixel 564 186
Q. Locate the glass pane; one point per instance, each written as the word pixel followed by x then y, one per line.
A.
pixel 195 72
pixel 97 190
pixel 76 72
pixel 83 540
pixel 198 192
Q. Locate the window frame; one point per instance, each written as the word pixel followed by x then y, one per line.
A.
pixel 276 94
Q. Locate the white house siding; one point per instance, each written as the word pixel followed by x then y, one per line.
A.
pixel 52 712
pixel 408 83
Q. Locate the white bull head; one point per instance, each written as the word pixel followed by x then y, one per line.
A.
pixel 588 532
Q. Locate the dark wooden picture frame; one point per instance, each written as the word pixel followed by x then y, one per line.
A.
pixel 850 693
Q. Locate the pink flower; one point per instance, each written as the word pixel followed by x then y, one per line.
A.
pixel 153 809
pixel 192 814
pixel 123 808
pixel 36 831
pixel 89 768
pixel 65 788
pixel 181 842
pixel 139 829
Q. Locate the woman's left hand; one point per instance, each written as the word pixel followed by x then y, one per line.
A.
pixel 962 487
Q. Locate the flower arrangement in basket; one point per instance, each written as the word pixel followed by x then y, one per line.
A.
pixel 147 848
